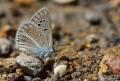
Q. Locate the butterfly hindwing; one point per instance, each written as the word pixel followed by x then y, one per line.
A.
pixel 24 39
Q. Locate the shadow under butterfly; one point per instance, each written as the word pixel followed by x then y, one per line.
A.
pixel 35 36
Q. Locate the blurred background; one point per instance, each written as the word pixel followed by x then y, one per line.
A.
pixel 72 20
pixel 78 25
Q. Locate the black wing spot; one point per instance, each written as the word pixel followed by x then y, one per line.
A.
pixel 47 21
pixel 43 20
pixel 45 29
pixel 39 24
pixel 40 21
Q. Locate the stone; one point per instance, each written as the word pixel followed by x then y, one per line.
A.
pixel 60 70
pixel 11 77
pixel 19 71
pixel 114 64
pixel 112 60
pixel 27 78
pixel 30 64
pixel 4 31
pixel 5 47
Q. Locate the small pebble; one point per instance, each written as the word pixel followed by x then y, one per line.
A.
pixel 60 70
pixel 5 47
pixel 19 71
pixel 86 80
pixel 76 63
pixel 11 77
pixel 4 31
pixel 27 78
pixel 103 69
pixel 30 64
pixel 112 60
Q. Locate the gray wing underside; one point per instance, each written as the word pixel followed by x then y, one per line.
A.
pixel 42 21
pixel 37 33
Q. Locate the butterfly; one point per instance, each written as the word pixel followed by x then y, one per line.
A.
pixel 35 36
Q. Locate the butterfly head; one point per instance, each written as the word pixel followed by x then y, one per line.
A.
pixel 50 53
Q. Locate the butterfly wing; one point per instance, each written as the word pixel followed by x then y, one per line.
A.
pixel 41 20
pixel 36 35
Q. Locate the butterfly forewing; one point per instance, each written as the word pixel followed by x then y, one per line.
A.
pixel 36 35
pixel 41 20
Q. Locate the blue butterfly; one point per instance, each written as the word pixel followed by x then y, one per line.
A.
pixel 35 36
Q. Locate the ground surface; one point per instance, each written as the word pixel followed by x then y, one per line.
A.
pixel 86 35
